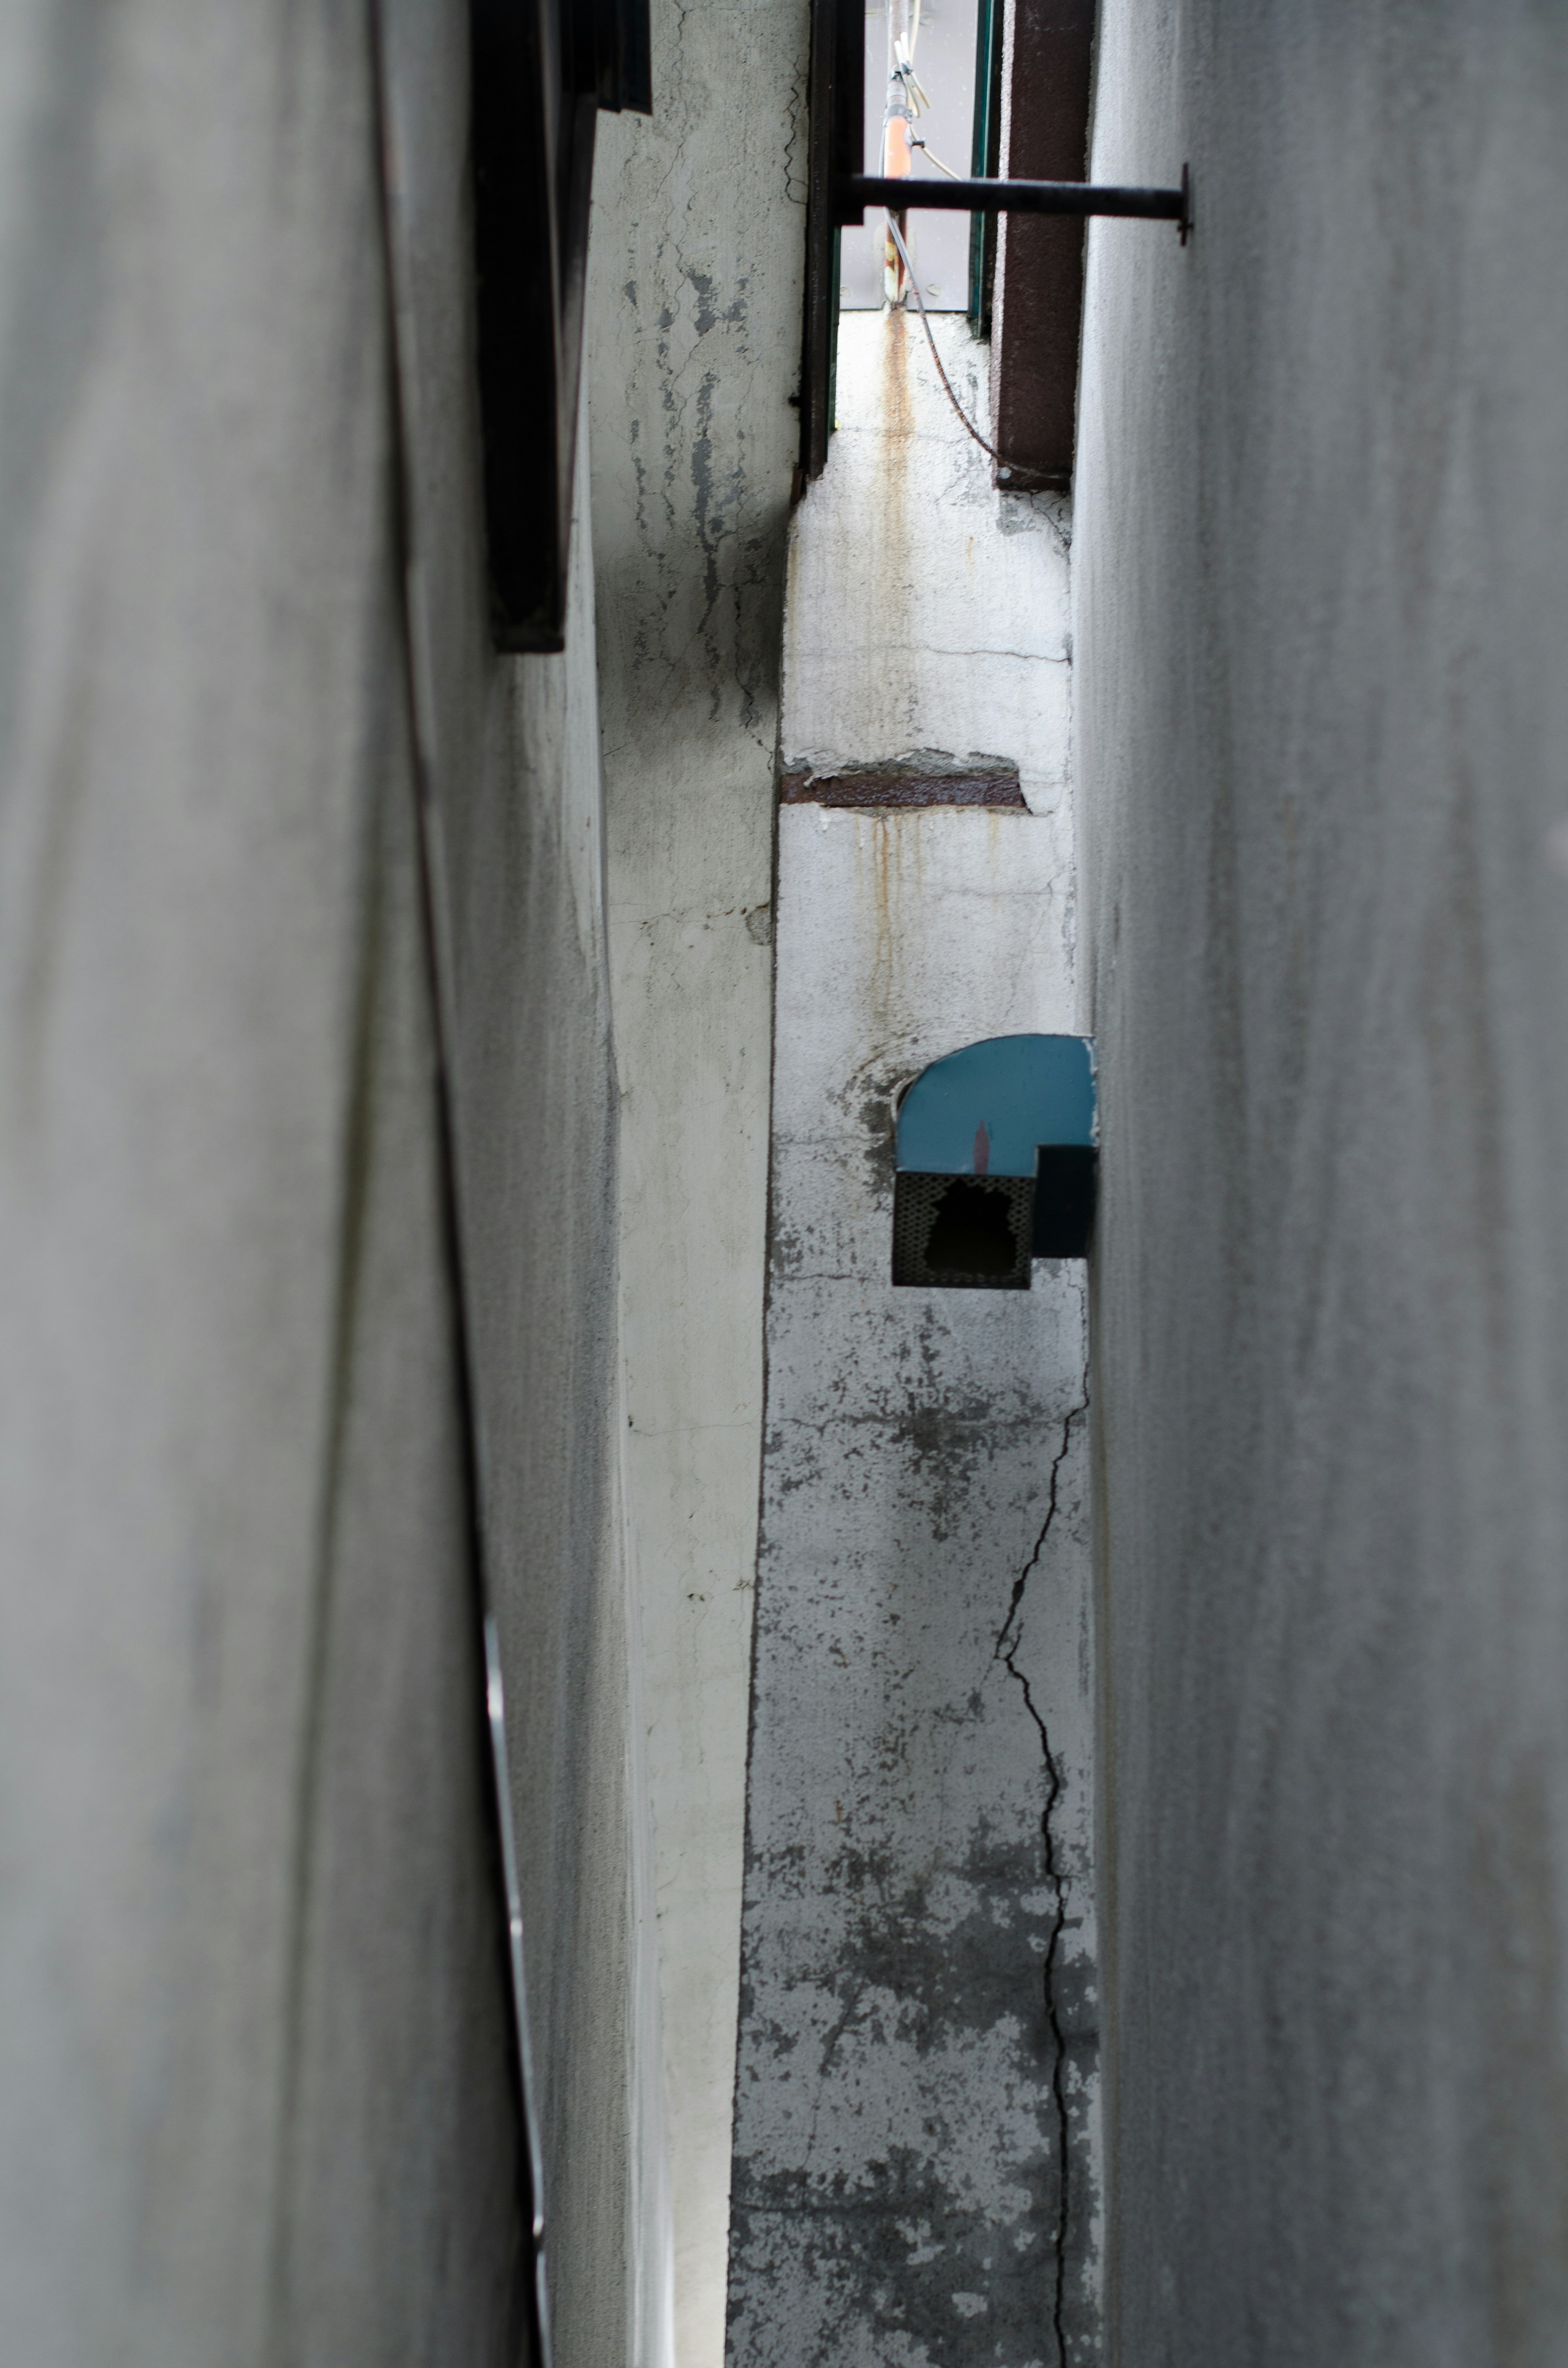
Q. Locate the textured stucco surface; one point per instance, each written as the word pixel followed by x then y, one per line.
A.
pixel 698 245
pixel 1321 581
pixel 256 2089
pixel 919 1992
pixel 918 2000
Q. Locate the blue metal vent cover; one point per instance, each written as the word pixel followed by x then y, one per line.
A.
pixel 987 1109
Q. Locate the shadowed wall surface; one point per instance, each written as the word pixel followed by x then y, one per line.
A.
pixel 256 2096
pixel 1321 582
pixel 510 751
pixel 696 285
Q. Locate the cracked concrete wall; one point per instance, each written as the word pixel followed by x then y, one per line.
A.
pixel 256 2096
pixel 1321 583
pixel 697 280
pixel 915 2119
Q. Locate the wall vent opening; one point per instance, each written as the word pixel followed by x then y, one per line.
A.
pixel 963 1233
pixel 995 1162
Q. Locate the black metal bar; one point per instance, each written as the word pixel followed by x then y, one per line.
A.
pixel 858 190
pixel 847 104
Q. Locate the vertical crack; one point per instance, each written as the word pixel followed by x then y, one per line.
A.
pixel 1008 1639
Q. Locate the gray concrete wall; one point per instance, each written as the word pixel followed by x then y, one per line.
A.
pixel 699 238
pixel 916 2108
pixel 254 2044
pixel 1320 588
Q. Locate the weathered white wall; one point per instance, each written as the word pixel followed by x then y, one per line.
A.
pixel 897 2140
pixel 926 609
pixel 255 2097
pixel 1321 590
pixel 695 302
pixel 919 1998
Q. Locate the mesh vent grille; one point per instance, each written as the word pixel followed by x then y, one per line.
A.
pixel 962 1232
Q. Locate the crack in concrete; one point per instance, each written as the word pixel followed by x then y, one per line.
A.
pixel 1007 1654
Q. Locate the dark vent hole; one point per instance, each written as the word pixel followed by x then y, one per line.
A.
pixel 970 1232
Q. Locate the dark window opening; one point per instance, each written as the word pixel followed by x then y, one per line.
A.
pixel 541 69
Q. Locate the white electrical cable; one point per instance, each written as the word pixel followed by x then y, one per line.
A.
pixel 933 160
pixel 903 68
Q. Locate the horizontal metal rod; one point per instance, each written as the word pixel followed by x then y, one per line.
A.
pixel 862 189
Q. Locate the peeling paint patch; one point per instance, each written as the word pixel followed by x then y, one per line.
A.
pixel 923 777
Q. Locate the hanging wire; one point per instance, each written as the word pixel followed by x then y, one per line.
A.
pixel 903 64
pixel 1000 457
pixel 930 159
pixel 917 102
